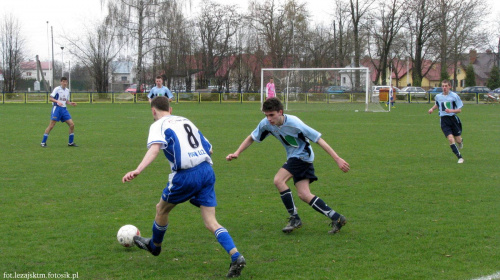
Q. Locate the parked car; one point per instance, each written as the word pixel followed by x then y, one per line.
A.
pixel 133 88
pixel 336 90
pixel 317 89
pixel 476 89
pixel 435 90
pixel 492 96
pixel 292 90
pixel 414 91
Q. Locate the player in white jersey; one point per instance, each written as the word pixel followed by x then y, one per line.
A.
pixel 294 135
pixel 191 179
pixel 160 90
pixel 449 105
pixel 60 97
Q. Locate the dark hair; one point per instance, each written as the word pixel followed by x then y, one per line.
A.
pixel 272 104
pixel 159 77
pixel 445 82
pixel 64 79
pixel 161 103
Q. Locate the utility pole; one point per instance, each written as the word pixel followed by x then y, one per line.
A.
pixel 52 33
pixel 62 61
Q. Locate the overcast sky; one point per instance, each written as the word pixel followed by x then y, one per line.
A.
pixel 70 17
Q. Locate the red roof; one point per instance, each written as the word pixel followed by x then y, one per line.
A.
pixel 31 65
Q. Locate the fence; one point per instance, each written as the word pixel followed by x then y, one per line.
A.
pixel 201 97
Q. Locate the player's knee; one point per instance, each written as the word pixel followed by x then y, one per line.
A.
pixel 305 196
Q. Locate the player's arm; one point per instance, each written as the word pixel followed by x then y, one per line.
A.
pixel 245 144
pixel 456 111
pixel 433 107
pixel 150 156
pixel 343 165
pixel 52 99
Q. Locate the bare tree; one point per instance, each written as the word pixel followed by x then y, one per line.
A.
pixel 387 20
pixel 96 51
pixel 12 51
pixel 217 26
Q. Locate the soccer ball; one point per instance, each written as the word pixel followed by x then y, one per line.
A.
pixel 126 235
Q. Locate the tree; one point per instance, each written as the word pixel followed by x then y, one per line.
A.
pixel 12 51
pixel 494 80
pixel 96 51
pixel 470 76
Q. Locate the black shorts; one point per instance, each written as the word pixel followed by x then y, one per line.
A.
pixel 300 170
pixel 451 125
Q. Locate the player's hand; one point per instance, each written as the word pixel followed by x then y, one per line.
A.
pixel 231 157
pixel 448 111
pixel 343 165
pixel 72 103
pixel 130 176
pixel 431 110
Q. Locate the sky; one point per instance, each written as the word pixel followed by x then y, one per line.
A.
pixel 70 18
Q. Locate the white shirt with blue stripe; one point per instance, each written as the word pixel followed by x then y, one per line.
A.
pixel 183 144
pixel 450 101
pixel 60 94
pixel 293 134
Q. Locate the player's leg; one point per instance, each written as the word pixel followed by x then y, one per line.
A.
pixel 71 126
pixel 448 126
pixel 280 180
pixel 319 205
pixel 47 132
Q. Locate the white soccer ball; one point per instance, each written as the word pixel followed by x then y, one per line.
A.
pixel 126 235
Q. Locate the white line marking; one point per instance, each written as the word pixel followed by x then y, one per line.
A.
pixel 489 277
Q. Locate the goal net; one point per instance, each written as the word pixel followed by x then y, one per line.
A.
pixel 329 88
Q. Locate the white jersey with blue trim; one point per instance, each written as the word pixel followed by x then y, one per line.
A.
pixel 60 94
pixel 294 135
pixel 448 101
pixel 183 144
pixel 163 91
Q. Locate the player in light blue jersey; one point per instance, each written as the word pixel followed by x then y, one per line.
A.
pixel 294 135
pixel 449 105
pixel 60 97
pixel 160 90
pixel 191 179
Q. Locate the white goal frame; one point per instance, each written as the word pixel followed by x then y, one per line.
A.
pixel 367 85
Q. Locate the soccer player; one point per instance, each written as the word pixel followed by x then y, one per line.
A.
pixel 449 105
pixel 160 90
pixel 192 178
pixel 294 135
pixel 60 97
pixel 270 89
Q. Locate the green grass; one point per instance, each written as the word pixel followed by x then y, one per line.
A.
pixel 413 212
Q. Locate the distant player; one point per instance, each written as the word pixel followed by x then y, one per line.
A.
pixel 59 98
pixel 192 178
pixel 294 135
pixel 450 104
pixel 270 89
pixel 160 90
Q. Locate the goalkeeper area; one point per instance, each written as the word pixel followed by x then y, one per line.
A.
pixel 342 89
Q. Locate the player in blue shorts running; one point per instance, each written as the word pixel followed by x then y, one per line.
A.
pixel 294 135
pixel 160 90
pixel 449 105
pixel 60 97
pixel 191 179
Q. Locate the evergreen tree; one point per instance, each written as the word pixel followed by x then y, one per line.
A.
pixel 494 80
pixel 470 76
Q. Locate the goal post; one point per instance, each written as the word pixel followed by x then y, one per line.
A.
pixel 345 88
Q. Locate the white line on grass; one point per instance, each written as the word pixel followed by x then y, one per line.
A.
pixel 489 277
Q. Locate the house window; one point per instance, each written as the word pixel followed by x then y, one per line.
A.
pixel 458 71
pixel 124 78
pixel 462 83
pixel 28 74
pixel 344 80
pixel 44 74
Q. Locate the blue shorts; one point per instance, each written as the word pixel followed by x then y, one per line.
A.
pixel 60 114
pixel 194 184
pixel 451 125
pixel 300 170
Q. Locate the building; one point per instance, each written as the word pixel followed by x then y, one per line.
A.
pixel 29 71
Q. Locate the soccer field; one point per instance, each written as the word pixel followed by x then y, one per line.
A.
pixel 413 212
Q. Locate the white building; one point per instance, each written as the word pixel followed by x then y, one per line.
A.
pixel 29 71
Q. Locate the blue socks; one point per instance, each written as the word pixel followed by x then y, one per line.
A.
pixel 319 205
pixel 45 136
pixel 158 233
pixel 71 137
pixel 226 242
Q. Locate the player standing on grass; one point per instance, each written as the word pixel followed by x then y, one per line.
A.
pixel 192 178
pixel 294 135
pixel 449 105
pixel 160 90
pixel 270 89
pixel 59 97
